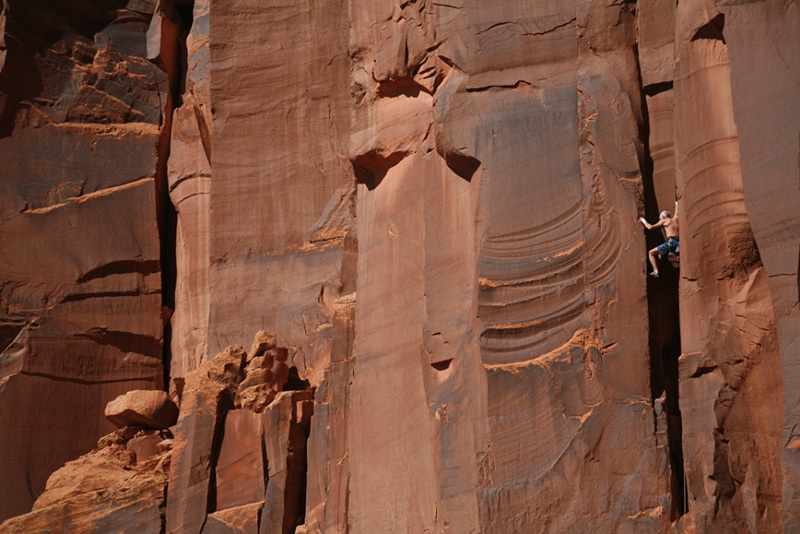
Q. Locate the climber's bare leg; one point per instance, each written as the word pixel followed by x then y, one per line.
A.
pixel 654 257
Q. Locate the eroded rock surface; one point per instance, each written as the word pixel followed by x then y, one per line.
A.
pixel 238 464
pixel 110 489
pixel 80 289
pixel 207 396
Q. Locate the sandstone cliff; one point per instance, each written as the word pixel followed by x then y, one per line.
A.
pixel 432 209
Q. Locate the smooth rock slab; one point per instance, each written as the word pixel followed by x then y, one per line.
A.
pixel 239 520
pixel 286 427
pixel 241 468
pixel 207 396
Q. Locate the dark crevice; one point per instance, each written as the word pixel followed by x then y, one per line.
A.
pixel 442 365
pixel 265 471
pixel 400 87
pixel 461 164
pixel 125 341
pixel 9 330
pixel 664 319
pixel 294 497
pixel 520 85
pixel 665 348
pixel 163 511
pixel 143 267
pixel 712 29
pixel 185 14
pixel 27 42
pixel 371 168
pixel 294 382
pixel 224 405
pixel 655 88
pixel 81 382
pixel 259 514
pixel 173 59
pixel 703 370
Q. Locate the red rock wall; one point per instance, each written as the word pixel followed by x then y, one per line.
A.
pixel 738 300
pixel 279 198
pixel 80 299
pixel 434 207
pixel 760 39
pixel 189 172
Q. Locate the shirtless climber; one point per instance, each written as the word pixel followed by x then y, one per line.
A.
pixel 670 247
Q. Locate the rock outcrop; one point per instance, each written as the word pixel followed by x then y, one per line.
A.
pixel 426 213
pixel 225 469
pixel 111 489
pixel 230 459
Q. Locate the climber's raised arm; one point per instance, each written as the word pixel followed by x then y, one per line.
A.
pixel 649 226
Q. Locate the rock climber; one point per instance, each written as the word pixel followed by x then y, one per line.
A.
pixel 670 247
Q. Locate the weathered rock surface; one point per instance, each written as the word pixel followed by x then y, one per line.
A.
pixel 241 470
pixel 189 173
pixel 765 109
pixel 107 490
pixel 736 377
pixel 148 445
pixel 267 374
pixel 279 171
pixel 286 428
pixel 152 409
pixel 226 464
pixel 80 290
pixel 498 168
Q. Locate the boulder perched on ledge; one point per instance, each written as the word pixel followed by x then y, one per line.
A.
pixel 151 409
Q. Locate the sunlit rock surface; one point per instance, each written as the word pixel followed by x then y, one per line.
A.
pixel 426 216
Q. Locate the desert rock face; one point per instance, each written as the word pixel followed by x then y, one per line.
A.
pixel 80 290
pixel 426 216
pixel 736 371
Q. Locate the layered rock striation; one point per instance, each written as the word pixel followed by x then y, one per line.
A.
pixel 432 208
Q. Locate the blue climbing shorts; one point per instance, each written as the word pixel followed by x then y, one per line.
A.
pixel 669 247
